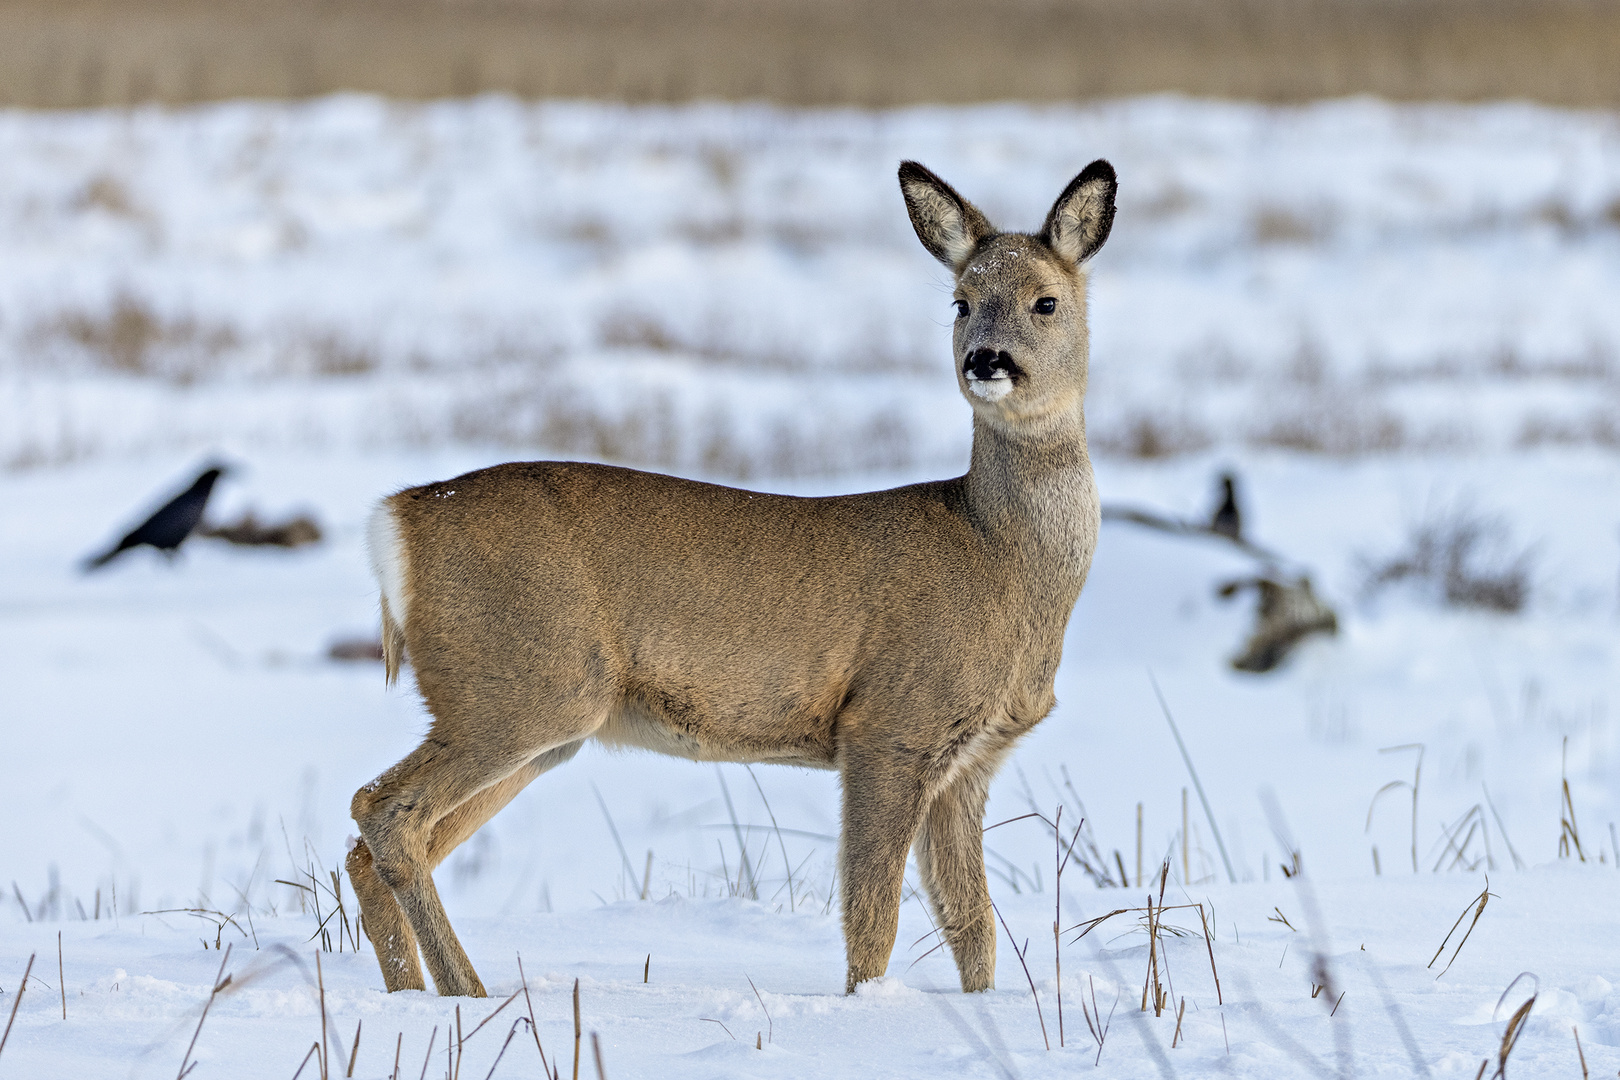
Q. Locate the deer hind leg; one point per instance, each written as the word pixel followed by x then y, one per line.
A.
pixel 385 923
pixel 882 805
pixel 410 818
pixel 950 860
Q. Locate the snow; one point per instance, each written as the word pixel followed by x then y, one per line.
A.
pixel 174 734
pixel 662 284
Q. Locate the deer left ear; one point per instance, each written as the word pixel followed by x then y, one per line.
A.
pixel 1080 220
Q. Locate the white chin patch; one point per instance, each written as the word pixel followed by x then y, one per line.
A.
pixel 990 389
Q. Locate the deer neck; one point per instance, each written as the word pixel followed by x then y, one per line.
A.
pixel 1031 492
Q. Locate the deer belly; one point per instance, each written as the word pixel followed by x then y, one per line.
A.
pixel 728 724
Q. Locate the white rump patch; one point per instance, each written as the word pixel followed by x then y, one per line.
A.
pixel 387 549
pixel 990 389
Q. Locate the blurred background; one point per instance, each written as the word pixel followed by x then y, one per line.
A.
pixel 1367 262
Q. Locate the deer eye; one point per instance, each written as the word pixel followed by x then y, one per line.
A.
pixel 961 309
pixel 1045 305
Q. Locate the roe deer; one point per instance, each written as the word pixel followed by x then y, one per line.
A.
pixel 905 638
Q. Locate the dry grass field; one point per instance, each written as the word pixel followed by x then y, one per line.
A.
pixel 76 53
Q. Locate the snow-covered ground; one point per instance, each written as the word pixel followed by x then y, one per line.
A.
pixel 348 296
pixel 735 288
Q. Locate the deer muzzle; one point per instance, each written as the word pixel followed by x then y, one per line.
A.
pixel 991 374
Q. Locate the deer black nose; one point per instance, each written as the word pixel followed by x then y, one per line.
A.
pixel 990 364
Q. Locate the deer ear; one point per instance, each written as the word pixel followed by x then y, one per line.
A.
pixel 949 226
pixel 1082 216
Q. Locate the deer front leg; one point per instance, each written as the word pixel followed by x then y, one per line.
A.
pixel 882 804
pixel 385 924
pixel 950 860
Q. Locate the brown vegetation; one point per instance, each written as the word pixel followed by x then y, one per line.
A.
pixel 67 53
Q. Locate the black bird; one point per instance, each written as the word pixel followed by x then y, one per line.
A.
pixel 167 529
pixel 1227 521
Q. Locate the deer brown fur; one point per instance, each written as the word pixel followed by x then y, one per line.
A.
pixel 905 638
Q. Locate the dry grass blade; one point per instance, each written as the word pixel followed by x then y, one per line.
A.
pixel 596 1052
pixel 1414 785
pixel 1569 834
pixel 1515 1026
pixel 21 988
pixel 534 1028
pixel 576 1029
pixel 494 1014
pixel 769 1023
pixel 1092 924
pixel 1094 1018
pixel 510 1033
pixel 1027 976
pixel 1478 906
pixel 1518 863
pixel 219 919
pixel 320 981
pixel 624 857
pixel 354 1050
pixel 745 868
pixel 778 830
pixel 221 980
pixel 1198 785
pixel 1281 918
pixel 712 1020
pixel 1209 944
pixel 314 1048
pixel 427 1057
pixel 1585 1075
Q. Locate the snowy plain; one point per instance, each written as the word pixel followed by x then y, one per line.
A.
pixel 1369 311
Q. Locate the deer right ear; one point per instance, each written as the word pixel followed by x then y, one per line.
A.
pixel 949 226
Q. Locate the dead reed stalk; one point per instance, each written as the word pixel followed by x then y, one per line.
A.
pixel 61 977
pixel 354 1050
pixel 22 986
pixel 576 1029
pixel 1061 859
